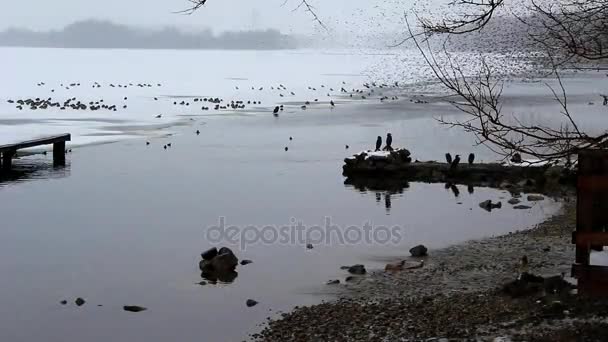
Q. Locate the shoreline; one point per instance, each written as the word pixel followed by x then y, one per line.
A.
pixel 457 294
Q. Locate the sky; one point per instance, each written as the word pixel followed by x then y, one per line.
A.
pixel 221 15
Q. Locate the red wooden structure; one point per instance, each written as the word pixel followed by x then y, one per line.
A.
pixel 591 221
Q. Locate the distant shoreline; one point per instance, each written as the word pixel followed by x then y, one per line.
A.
pixel 146 48
pixel 97 34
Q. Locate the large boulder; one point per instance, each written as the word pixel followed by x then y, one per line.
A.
pixel 419 251
pixel 223 261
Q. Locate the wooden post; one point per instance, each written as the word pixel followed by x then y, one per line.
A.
pixel 7 160
pixel 591 221
pixel 59 153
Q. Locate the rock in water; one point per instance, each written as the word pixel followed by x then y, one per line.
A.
pixel 418 251
pixel 357 269
pixel 251 302
pixel 64 302
pixel 521 207
pixel 134 308
pixel 80 301
pixel 333 282
pixel 488 205
pixel 309 246
pixel 513 201
pixel 246 262
pixel 209 254
pixel 225 260
pixel 534 198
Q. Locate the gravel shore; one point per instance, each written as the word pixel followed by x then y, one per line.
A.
pixel 458 295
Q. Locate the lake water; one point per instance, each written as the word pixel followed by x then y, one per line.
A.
pixel 125 223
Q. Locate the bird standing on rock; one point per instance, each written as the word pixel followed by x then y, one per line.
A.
pixel 455 162
pixel 378 143
pixel 448 158
pixel 471 158
pixel 389 142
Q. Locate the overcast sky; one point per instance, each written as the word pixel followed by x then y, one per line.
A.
pixel 341 15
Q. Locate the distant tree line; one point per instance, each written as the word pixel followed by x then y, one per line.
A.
pixel 102 34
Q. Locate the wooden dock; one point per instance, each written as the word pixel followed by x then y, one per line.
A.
pixel 8 151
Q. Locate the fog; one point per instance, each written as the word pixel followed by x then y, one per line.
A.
pixel 101 34
pixel 342 17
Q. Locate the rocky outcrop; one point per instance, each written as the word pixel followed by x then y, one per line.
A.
pixel 219 266
pixel 369 161
pixel 392 170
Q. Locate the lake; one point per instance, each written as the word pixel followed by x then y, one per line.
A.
pixel 125 223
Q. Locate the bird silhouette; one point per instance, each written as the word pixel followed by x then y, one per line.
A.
pixel 389 142
pixel 455 162
pixel 276 110
pixel 448 158
pixel 378 143
pixel 471 158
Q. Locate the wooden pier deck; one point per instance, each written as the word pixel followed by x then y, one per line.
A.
pixel 8 151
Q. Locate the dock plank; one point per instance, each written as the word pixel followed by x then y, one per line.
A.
pixel 36 142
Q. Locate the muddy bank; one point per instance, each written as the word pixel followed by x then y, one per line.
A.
pixel 458 294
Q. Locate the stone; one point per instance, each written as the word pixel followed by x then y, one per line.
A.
pixel 246 262
pixel 209 254
pixel 357 269
pixel 251 302
pixel 534 198
pixel 521 207
pixel 513 201
pixel 394 267
pixel 134 308
pixel 64 302
pixel 333 282
pixel 225 260
pixel 418 251
pixel 80 302
pixel 309 246
pixel 488 205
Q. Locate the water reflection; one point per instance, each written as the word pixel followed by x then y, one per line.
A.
pixel 26 169
pixel 214 277
pixel 382 187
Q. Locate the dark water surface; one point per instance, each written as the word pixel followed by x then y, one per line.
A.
pixel 125 223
